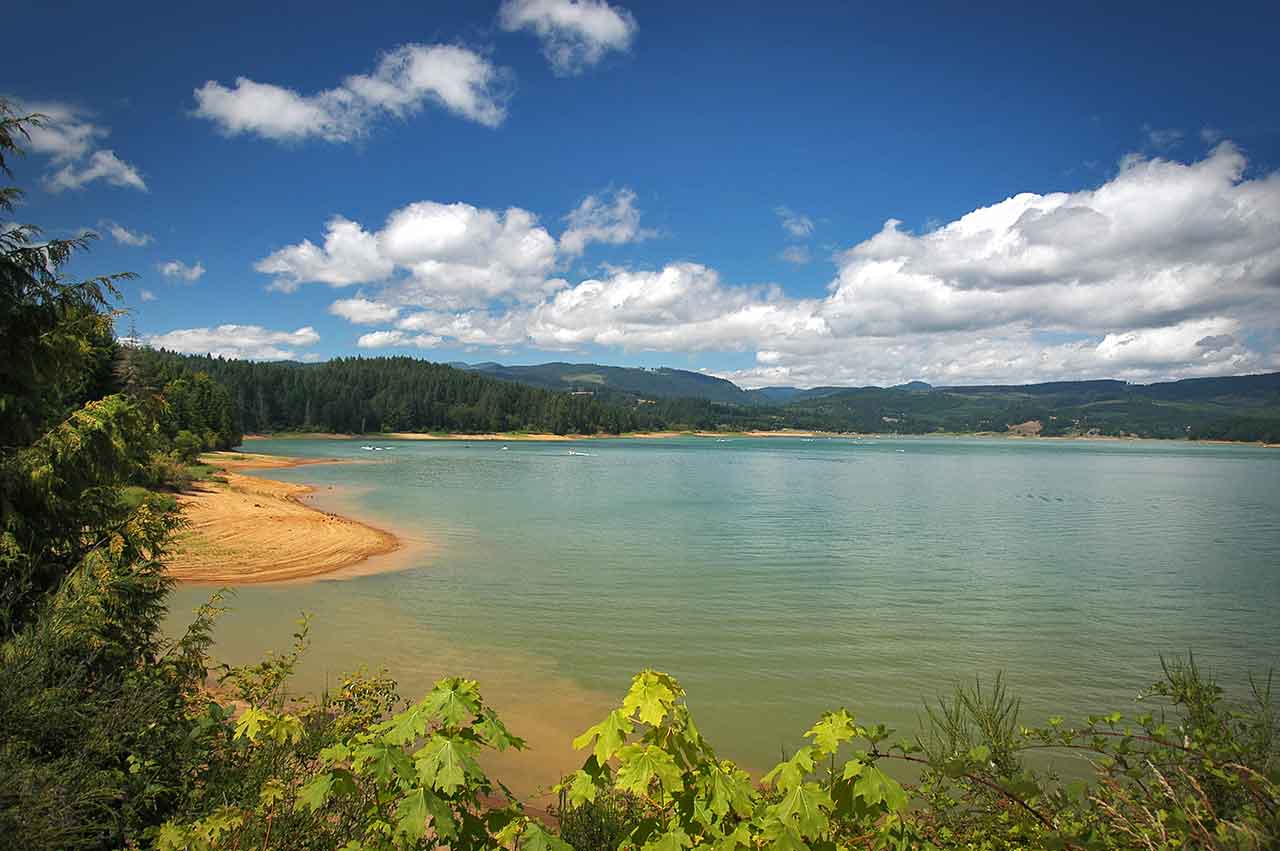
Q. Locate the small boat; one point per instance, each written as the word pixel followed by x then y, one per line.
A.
pixel 575 452
pixel 367 448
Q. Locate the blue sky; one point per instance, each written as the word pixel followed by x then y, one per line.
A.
pixel 1079 193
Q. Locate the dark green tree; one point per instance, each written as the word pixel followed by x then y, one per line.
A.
pixel 91 703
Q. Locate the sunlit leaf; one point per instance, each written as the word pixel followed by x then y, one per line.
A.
pixel 453 701
pixel 640 764
pixel 443 763
pixel 609 735
pixel 805 807
pixel 833 730
pixel 651 696
pixel 875 787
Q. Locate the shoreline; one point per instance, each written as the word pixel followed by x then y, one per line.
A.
pixel 246 529
pixel 538 437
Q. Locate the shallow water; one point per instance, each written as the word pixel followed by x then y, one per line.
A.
pixel 778 577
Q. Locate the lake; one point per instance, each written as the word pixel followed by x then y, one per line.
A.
pixel 778 577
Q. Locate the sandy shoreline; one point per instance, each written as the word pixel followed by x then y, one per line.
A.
pixel 251 529
pixel 536 437
pixel 514 437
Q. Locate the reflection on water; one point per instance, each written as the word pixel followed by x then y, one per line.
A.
pixel 780 577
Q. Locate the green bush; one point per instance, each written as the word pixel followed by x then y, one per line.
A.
pixel 602 824
pixel 187 446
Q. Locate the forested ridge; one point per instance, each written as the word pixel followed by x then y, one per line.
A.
pixel 113 736
pixel 364 395
pixel 359 395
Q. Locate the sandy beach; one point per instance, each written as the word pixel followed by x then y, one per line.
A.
pixel 514 437
pixel 250 529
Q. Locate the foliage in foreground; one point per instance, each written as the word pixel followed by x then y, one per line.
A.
pixel 1200 774
pixel 351 772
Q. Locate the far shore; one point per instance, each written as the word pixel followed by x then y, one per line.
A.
pixel 661 435
pixel 245 529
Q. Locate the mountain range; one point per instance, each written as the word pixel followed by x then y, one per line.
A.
pixel 1245 407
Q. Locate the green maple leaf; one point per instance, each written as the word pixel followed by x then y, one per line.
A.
pixel 805 807
pixel 783 837
pixel 443 763
pixel 441 817
pixel 730 789
pixel 789 774
pixel 335 754
pixel 315 794
pixel 411 814
pixel 874 787
pixel 640 764
pixel 495 733
pixel 581 789
pixel 172 838
pixel 831 731
pixel 609 735
pixel 739 838
pixel 651 695
pixel 406 727
pixel 534 838
pixel 673 840
pixel 453 701
pixel 250 723
pixel 383 761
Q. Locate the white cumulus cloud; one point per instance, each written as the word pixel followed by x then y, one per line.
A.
pixel 101 165
pixel 452 77
pixel 69 138
pixel 124 236
pixel 180 270
pixel 451 255
pixel 454 256
pixel 1167 269
pixel 65 134
pixel 575 34
pixel 350 255
pixel 385 339
pixel 599 218
pixel 251 342
pixel 362 311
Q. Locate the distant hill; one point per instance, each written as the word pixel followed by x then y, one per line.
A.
pixel 786 395
pixel 406 394
pixel 1234 408
pixel 615 381
pixel 1243 407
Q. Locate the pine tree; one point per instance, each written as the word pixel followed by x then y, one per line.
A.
pixel 84 693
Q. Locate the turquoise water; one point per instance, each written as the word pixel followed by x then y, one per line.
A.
pixel 780 577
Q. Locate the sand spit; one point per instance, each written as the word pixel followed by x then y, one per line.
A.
pixel 248 529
